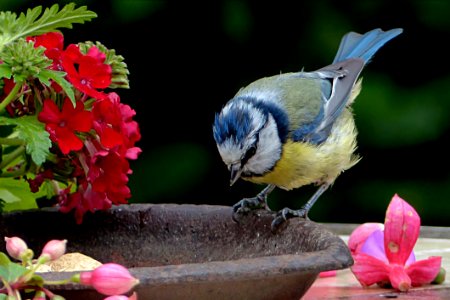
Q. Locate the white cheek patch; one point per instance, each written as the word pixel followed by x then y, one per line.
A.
pixel 268 150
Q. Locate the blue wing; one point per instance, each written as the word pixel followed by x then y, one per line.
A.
pixel 354 52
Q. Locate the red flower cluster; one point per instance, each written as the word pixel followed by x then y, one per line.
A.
pixel 95 139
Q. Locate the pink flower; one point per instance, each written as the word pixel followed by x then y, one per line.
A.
pixel 109 279
pixel 121 297
pixel 15 247
pixel 360 235
pixel 387 256
pixel 330 273
pixel 54 249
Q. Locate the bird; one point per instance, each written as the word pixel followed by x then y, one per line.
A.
pixel 295 129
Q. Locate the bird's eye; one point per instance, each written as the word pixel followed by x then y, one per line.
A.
pixel 250 152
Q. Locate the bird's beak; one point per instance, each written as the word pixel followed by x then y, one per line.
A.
pixel 235 171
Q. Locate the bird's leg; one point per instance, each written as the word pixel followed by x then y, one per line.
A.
pixel 249 204
pixel 287 213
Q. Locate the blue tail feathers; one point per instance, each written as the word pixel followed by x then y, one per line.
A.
pixel 364 46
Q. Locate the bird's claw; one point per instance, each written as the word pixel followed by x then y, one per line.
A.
pixel 247 205
pixel 285 214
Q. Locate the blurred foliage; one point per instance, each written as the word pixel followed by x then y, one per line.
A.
pixel 187 58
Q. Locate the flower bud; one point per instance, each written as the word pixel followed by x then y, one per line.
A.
pixel 16 247
pixel 40 295
pixel 109 279
pixel 122 297
pixel 53 250
pixel 440 278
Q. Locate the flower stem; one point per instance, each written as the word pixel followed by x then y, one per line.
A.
pixel 11 96
pixel 7 159
pixel 58 282
pixel 11 141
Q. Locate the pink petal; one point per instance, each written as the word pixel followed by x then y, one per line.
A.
pixel 374 246
pixel 424 271
pixel 331 273
pixel 369 270
pixel 399 278
pixel 360 234
pixel 401 230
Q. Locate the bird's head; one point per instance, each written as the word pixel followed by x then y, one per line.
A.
pixel 247 137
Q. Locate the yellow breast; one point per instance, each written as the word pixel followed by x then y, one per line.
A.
pixel 303 163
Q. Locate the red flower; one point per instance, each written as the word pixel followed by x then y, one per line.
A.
pixel 113 121
pixel 109 174
pixel 387 256
pixel 62 125
pixel 83 200
pixel 53 42
pixel 36 183
pixel 87 72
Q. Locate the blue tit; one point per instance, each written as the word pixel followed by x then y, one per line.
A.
pixel 296 129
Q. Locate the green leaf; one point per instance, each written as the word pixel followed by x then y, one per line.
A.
pixel 4 259
pixel 30 24
pixel 5 71
pixel 37 139
pixel 58 76
pixel 10 271
pixel 17 195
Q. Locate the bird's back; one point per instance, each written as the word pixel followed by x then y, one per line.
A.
pixel 298 95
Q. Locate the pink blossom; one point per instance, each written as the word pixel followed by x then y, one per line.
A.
pixel 15 247
pixel 109 279
pixel 122 297
pixel 54 249
pixel 360 234
pixel 387 255
pixel 331 273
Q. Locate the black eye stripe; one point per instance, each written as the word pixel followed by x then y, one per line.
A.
pixel 250 152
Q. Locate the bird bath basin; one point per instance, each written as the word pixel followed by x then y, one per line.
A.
pixel 183 251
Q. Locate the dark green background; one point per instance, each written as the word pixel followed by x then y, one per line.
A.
pixel 187 58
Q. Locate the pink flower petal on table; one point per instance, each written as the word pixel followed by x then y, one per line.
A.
pixel 401 230
pixel 399 278
pixel 374 246
pixel 360 234
pixel 424 271
pixel 331 273
pixel 369 270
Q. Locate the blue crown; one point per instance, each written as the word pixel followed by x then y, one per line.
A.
pixel 237 122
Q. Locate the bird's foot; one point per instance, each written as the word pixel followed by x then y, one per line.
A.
pixel 247 205
pixel 287 213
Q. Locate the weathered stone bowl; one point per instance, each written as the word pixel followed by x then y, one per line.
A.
pixel 183 251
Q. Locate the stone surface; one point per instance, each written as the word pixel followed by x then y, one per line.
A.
pixel 191 251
